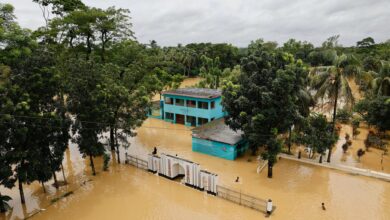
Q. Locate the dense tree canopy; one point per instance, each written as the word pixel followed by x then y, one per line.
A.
pixel 263 102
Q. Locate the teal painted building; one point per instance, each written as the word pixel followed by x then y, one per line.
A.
pixel 217 139
pixel 191 106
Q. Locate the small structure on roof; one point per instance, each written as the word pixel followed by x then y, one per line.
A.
pixel 217 139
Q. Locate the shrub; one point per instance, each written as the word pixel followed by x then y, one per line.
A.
pixel 343 115
pixel 106 160
pixel 345 147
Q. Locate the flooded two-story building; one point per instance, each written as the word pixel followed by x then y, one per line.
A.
pixel 191 106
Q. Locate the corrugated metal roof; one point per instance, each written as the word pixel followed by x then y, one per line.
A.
pixel 195 92
pixel 218 131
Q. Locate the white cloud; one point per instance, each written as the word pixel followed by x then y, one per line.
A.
pixel 170 22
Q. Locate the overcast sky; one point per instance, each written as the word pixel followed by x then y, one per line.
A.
pixel 170 22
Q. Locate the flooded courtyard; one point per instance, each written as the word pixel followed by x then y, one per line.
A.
pixel 297 189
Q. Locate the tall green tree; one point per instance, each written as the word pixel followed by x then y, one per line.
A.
pixel 263 101
pixel 88 102
pixel 333 83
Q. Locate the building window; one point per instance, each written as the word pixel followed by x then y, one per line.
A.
pixel 179 102
pixel 191 103
pixel 169 116
pixel 168 101
pixel 212 104
pixel 202 121
pixel 191 120
pixel 203 105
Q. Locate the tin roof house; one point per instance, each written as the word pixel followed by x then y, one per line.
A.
pixel 217 139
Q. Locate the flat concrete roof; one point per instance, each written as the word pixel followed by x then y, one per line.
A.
pixel 195 93
pixel 218 131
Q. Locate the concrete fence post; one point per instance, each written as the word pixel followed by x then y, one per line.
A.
pixel 269 206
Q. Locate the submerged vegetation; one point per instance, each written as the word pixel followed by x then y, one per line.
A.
pixel 84 75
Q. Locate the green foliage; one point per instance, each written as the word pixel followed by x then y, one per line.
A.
pixel 344 115
pixel 210 72
pixel 300 50
pixel 106 161
pixel 380 83
pixel 263 100
pixel 60 7
pixel 317 133
pixel 375 111
pixel 366 42
pixel 371 63
pixel 4 206
pixel 324 57
pixel 360 153
pixel 355 126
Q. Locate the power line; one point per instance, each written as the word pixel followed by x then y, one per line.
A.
pixel 94 122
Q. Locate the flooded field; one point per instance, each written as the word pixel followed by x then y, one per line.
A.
pixel 374 159
pixel 128 193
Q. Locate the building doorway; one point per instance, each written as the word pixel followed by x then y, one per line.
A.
pixel 180 119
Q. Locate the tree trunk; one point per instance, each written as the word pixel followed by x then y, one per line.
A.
pixel 335 104
pixel 43 187
pixel 55 180
pixel 89 49
pixel 63 172
pixel 321 158
pixel 253 150
pixel 334 114
pixel 289 140
pixel 112 142
pixel 270 165
pixel 2 207
pixel 117 146
pixel 92 165
pixel 103 47
pixel 21 192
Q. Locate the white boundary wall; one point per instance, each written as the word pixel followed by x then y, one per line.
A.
pixel 172 166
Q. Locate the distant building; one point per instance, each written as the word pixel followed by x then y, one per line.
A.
pixel 217 139
pixel 191 106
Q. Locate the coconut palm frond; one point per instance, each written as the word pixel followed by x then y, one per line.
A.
pixel 325 88
pixel 384 88
pixel 305 102
pixel 341 61
pixel 366 77
pixel 347 92
pixel 375 84
pixel 319 79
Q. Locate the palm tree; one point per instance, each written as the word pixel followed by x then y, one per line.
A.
pixel 332 82
pixel 380 85
pixel 211 72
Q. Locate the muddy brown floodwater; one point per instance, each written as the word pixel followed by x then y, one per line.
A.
pixel 129 193
pixel 125 192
